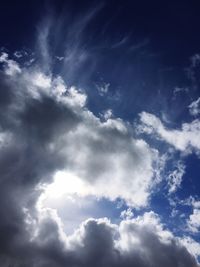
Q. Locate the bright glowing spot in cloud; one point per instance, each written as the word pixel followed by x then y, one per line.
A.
pixel 65 183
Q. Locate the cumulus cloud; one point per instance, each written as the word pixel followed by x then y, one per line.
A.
pixel 185 139
pixel 46 128
pixel 192 245
pixel 55 118
pixel 97 242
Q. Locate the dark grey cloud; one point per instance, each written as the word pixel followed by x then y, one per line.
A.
pixel 147 250
pixel 100 243
pixel 27 128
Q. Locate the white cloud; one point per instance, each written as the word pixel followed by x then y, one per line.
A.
pixel 196 204
pixel 59 58
pixel 174 179
pixel 18 54
pixel 192 245
pixel 194 107
pixel 187 139
pixel 131 231
pixel 109 161
pixel 191 201
pixel 108 114
pixel 174 212
pixel 104 155
pixel 11 67
pixel 137 242
pixel 76 97
pixel 39 79
pixel 90 158
pixel 103 89
pixel 193 222
pixel 127 214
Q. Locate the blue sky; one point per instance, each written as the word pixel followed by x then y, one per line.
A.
pixel 100 133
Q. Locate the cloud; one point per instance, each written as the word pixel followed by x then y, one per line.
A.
pixel 121 163
pixel 10 66
pixel 186 139
pixel 194 107
pixel 193 70
pixel 121 42
pixel 55 117
pixel 193 223
pixel 103 89
pixel 76 51
pixel 179 90
pixel 46 128
pixel 97 242
pixel 50 142
pixel 174 179
pixel 192 245
pixel 126 214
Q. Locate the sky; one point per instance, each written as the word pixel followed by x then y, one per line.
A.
pixel 99 133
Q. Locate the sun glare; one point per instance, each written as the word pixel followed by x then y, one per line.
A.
pixel 64 183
